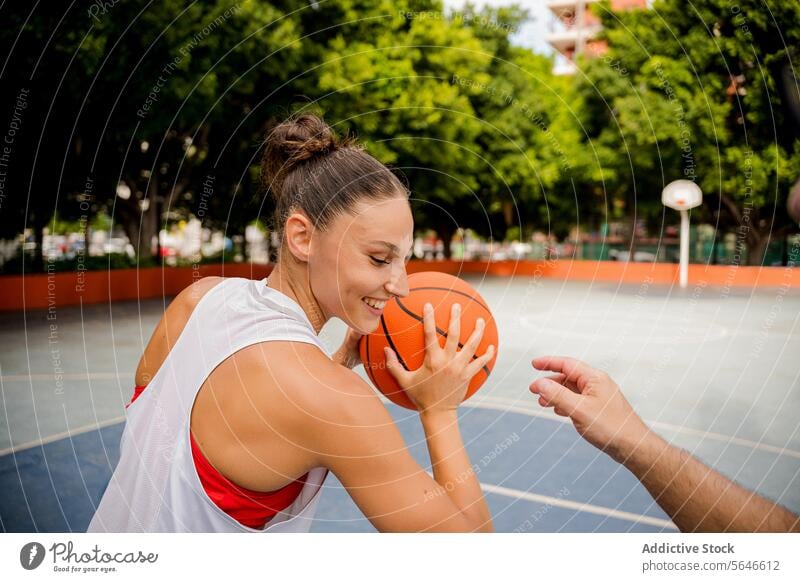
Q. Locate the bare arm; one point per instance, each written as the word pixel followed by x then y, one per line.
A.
pixel 696 497
pixel 362 446
pixel 699 498
pixel 360 443
pixel 452 468
pixel 437 388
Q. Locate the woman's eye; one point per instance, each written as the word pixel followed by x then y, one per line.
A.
pixel 380 261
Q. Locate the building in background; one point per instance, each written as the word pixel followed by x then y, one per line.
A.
pixel 579 29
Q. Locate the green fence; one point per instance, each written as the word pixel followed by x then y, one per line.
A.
pixel 702 249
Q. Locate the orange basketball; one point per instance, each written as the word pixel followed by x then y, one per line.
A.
pixel 401 330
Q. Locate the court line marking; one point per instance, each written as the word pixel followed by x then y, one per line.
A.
pixel 62 435
pixel 496 489
pixel 494 403
pixel 576 505
pixel 487 403
pixel 584 507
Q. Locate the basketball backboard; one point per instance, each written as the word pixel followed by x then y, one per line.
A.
pixel 682 195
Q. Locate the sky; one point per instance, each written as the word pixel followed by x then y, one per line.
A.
pixel 533 33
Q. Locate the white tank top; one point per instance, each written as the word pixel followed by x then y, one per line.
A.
pixel 155 487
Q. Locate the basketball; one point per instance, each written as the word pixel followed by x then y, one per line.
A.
pixel 401 329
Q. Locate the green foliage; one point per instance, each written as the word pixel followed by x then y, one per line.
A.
pixel 172 99
pixel 695 90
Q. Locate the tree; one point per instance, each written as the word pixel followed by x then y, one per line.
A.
pixel 697 91
pixel 156 99
pixel 477 125
pixel 43 78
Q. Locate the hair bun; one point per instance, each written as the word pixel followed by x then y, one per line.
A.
pixel 293 142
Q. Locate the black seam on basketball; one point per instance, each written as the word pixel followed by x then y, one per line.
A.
pixel 439 331
pixel 391 343
pixel 451 291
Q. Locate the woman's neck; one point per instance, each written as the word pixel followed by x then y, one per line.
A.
pixel 298 289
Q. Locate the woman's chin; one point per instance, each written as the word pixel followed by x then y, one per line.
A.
pixel 368 330
pixel 366 327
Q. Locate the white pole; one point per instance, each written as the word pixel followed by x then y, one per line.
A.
pixel 684 269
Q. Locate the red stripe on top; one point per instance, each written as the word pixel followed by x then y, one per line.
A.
pixel 137 391
pixel 250 508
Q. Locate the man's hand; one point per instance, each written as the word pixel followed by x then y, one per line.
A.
pixel 594 404
pixel 696 497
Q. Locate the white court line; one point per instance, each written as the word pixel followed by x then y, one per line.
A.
pixel 487 403
pixel 62 435
pixel 584 507
pixel 495 403
pixel 496 489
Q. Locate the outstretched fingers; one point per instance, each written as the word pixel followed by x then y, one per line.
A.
pixel 395 368
pixel 553 394
pixel 454 333
pixel 478 363
pixel 574 371
pixel 562 379
pixel 429 325
pixel 474 340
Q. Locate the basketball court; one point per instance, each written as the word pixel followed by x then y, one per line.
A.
pixel 711 369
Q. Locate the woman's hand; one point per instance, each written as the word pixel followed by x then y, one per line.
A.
pixel 347 355
pixel 441 382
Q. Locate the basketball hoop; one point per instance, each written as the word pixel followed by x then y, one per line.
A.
pixel 683 195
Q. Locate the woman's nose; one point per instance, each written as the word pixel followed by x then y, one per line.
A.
pixel 398 284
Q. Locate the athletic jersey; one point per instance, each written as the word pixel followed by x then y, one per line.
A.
pixel 251 508
pixel 155 486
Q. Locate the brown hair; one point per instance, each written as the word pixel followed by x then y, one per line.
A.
pixel 307 167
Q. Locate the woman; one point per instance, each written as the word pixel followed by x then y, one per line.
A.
pixel 244 413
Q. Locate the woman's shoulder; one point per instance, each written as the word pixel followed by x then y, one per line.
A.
pixel 171 326
pixel 317 384
pixel 192 294
pixel 180 309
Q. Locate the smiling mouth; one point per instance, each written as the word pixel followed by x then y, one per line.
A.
pixel 374 305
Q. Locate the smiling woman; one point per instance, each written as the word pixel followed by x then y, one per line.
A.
pixel 245 413
pixel 336 207
pixel 350 275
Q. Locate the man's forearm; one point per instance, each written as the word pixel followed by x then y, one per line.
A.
pixel 452 468
pixel 696 497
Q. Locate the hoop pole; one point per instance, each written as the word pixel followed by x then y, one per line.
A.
pixel 684 268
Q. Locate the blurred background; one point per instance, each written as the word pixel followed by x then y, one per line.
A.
pixel 542 129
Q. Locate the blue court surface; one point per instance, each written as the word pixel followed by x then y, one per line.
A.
pixel 712 370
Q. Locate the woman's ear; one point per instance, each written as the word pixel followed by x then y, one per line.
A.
pixel 298 231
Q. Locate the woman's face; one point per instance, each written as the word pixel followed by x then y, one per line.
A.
pixel 360 259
